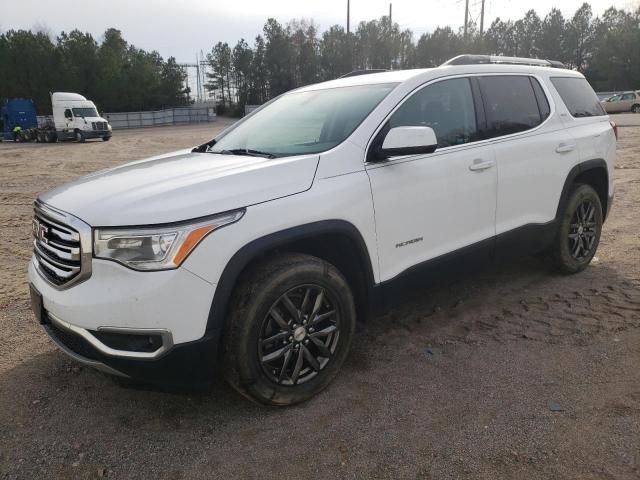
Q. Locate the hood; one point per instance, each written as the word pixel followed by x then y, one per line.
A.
pixel 180 186
pixel 93 119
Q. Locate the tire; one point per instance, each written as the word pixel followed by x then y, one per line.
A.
pixel 636 108
pixel 106 139
pixel 259 311
pixel 579 230
pixel 80 138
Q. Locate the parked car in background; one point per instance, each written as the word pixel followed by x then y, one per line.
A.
pixel 622 102
pixel 256 252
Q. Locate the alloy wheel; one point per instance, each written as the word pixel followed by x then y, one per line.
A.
pixel 583 231
pixel 299 335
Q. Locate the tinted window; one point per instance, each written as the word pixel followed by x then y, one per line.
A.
pixel 629 96
pixel 543 103
pixel 578 96
pixel 445 106
pixel 510 104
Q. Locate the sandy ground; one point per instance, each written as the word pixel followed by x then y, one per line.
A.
pixel 461 381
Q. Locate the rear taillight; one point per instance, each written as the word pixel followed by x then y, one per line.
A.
pixel 615 128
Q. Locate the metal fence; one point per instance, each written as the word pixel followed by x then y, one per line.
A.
pixel 171 116
pixel 155 118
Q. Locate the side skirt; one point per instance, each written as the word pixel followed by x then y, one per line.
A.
pixel 446 269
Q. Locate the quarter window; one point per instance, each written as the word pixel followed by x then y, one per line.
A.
pixel 510 104
pixel 578 96
pixel 445 106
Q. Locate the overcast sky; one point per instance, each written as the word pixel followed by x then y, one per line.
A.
pixel 184 27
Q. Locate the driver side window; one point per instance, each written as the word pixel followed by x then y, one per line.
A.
pixel 446 106
pixel 67 113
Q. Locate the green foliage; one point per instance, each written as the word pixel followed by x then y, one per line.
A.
pixel 605 49
pixel 115 75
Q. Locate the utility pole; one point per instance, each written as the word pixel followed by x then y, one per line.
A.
pixel 348 13
pixel 482 18
pixel 390 18
pixel 466 16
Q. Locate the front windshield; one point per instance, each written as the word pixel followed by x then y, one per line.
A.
pixel 303 122
pixel 84 112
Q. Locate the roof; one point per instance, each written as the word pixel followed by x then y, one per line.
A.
pixel 67 96
pixel 393 76
pixel 400 76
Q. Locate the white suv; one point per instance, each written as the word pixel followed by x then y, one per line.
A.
pixel 257 252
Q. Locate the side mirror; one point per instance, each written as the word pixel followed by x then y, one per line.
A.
pixel 409 141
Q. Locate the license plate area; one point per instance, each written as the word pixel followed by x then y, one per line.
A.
pixel 36 303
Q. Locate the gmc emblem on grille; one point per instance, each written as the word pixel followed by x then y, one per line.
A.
pixel 40 231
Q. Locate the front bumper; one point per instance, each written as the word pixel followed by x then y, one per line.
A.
pixel 170 308
pixel 97 133
pixel 190 364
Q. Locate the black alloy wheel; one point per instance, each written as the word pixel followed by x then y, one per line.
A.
pixel 290 325
pixel 582 231
pixel 299 335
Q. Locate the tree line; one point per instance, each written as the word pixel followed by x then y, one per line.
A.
pixel 120 77
pixel 117 76
pixel 605 48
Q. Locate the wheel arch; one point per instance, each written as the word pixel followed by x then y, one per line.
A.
pixel 336 241
pixel 591 172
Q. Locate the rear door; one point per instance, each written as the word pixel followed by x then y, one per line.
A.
pixel 431 204
pixel 627 101
pixel 533 149
pixel 586 120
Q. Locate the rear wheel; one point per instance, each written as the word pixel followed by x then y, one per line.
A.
pixel 290 328
pixel 579 231
pixel 636 108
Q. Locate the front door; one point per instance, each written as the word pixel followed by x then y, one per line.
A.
pixel 431 204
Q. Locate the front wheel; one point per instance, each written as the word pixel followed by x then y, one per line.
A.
pixel 290 328
pixel 579 231
pixel 80 138
pixel 106 139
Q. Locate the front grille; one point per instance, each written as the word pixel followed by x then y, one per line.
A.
pixel 99 125
pixel 56 248
pixel 72 341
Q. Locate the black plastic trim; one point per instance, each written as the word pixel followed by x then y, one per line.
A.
pixel 254 249
pixel 582 167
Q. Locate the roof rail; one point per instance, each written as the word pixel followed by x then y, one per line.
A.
pixel 499 59
pixel 356 73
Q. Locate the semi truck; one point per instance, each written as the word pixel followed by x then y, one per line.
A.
pixel 74 118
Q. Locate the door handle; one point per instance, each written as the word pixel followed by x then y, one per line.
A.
pixel 480 164
pixel 565 147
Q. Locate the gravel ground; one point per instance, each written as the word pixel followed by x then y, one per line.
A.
pixel 507 372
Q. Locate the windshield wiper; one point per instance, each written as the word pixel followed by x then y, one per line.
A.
pixel 246 151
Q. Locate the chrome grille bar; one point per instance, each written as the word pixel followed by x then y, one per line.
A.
pixel 61 246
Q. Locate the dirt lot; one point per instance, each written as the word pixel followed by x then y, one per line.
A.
pixel 460 382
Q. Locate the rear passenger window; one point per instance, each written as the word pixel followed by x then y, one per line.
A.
pixel 445 106
pixel 578 96
pixel 543 103
pixel 510 104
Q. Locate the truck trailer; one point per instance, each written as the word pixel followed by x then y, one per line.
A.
pixel 74 118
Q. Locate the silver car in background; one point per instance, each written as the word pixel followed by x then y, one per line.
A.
pixel 622 102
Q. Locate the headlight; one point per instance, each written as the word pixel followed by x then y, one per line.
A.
pixel 156 248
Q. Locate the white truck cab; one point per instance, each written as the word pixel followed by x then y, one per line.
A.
pixel 255 252
pixel 77 118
